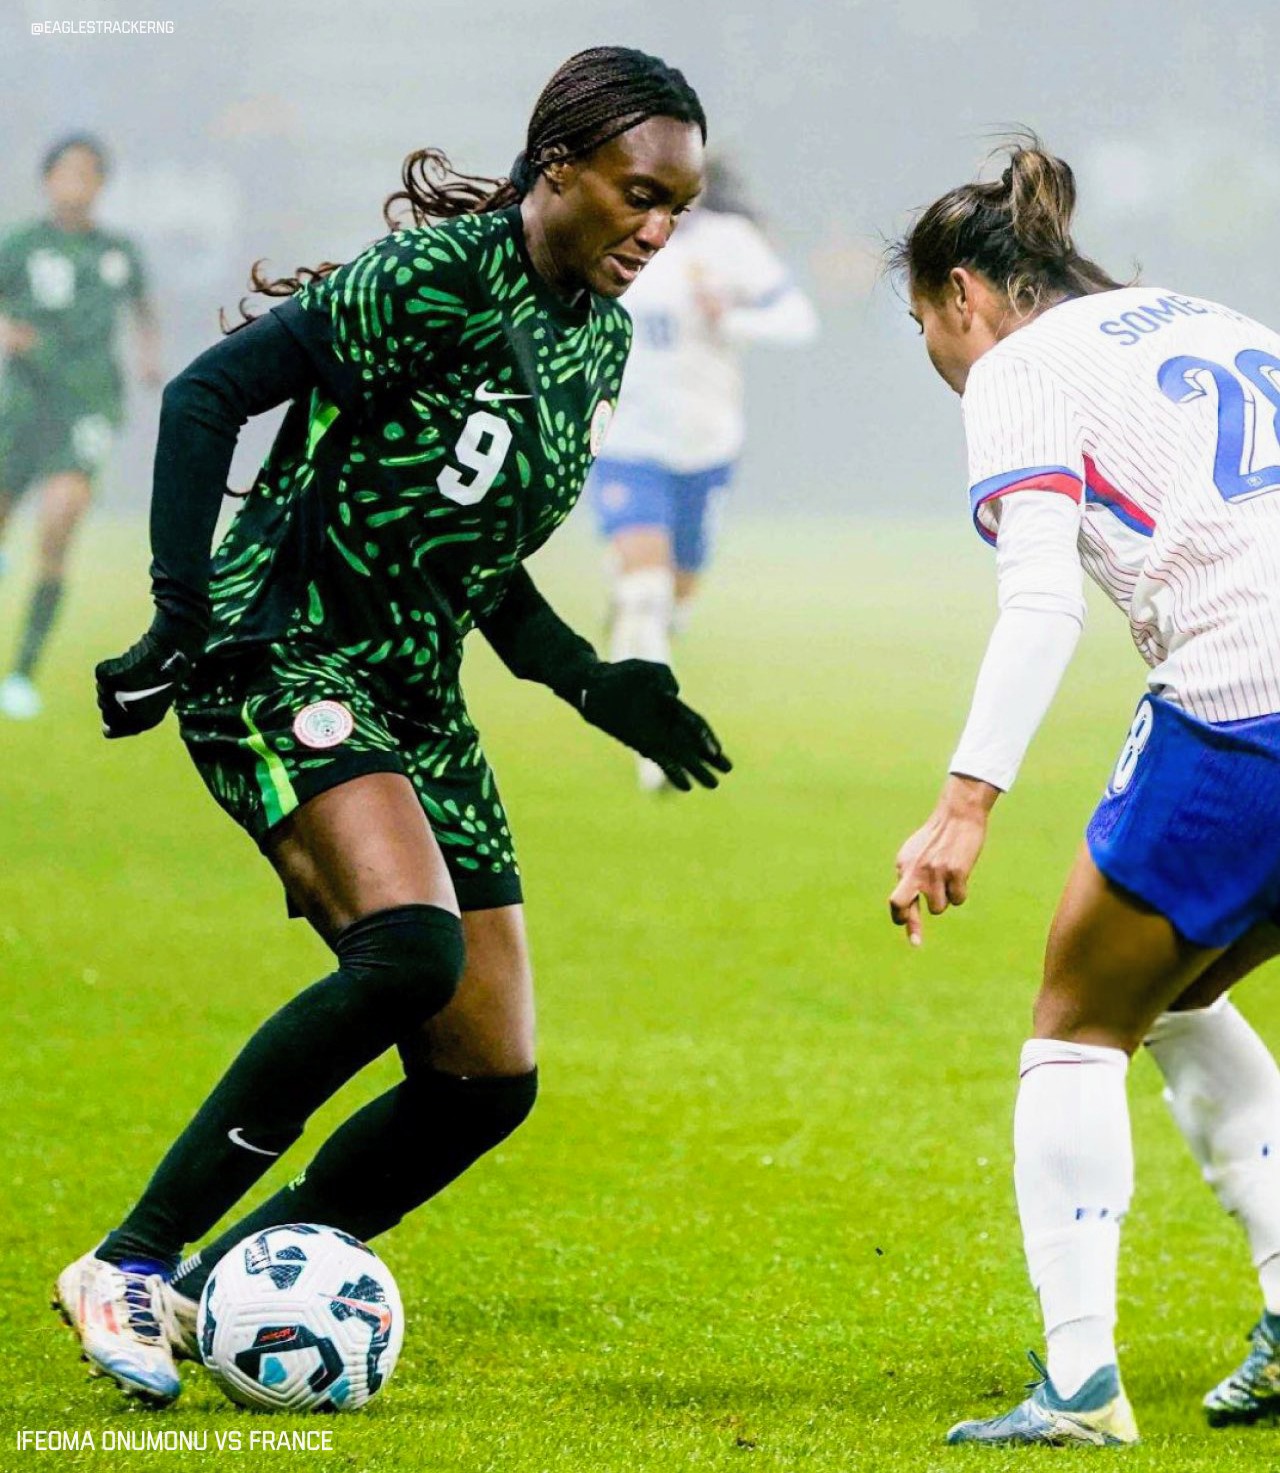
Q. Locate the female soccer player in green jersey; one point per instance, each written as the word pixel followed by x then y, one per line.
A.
pixel 449 390
pixel 63 284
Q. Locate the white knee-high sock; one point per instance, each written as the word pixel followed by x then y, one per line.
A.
pixel 1222 1086
pixel 681 613
pixel 642 604
pixel 1073 1170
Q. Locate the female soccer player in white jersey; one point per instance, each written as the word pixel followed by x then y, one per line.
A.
pixel 1130 433
pixel 679 429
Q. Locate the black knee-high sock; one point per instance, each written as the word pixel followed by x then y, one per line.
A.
pixel 41 612
pixel 397 967
pixel 389 1158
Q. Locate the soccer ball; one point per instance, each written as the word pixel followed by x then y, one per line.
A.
pixel 301 1318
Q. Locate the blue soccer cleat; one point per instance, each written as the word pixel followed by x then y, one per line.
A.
pixel 113 1310
pixel 1252 1391
pixel 1098 1415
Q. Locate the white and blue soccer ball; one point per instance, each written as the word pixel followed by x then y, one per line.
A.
pixel 301 1318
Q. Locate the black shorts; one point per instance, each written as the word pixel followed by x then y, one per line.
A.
pixel 270 731
pixel 42 440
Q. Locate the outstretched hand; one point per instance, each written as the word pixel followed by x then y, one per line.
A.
pixel 935 863
pixel 637 702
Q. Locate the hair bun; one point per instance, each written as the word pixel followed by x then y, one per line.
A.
pixel 1042 202
pixel 1014 230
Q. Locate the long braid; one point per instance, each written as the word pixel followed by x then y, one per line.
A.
pixel 593 97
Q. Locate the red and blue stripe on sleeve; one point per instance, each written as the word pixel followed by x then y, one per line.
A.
pixel 1058 478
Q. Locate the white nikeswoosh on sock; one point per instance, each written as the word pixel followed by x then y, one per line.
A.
pixel 235 1137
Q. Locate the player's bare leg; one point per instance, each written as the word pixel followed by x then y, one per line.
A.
pixel 1112 966
pixel 688 583
pixel 488 1029
pixel 1222 1086
pixel 360 847
pixel 643 600
pixel 63 501
pixel 470 1075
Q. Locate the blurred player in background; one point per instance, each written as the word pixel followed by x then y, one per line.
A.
pixel 448 390
pixel 676 438
pixel 1131 433
pixel 63 282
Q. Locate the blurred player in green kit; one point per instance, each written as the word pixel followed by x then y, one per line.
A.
pixel 63 282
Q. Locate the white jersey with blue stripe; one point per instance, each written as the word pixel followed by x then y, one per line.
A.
pixel 681 399
pixel 1158 415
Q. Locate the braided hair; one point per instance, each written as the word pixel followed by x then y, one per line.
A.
pixel 594 97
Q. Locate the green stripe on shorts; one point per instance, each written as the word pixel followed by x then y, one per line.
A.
pixel 278 797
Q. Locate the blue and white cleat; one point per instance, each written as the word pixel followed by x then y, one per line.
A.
pixel 113 1311
pixel 19 699
pixel 1098 1415
pixel 1250 1393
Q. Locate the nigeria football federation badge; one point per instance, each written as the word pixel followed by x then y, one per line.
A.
pixel 323 724
pixel 600 418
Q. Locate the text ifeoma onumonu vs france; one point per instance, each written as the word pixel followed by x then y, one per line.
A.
pixel 107 1439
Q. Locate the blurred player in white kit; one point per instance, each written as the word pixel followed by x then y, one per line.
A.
pixel 1132 433
pixel 718 288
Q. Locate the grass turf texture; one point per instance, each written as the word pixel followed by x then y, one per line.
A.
pixel 762 1216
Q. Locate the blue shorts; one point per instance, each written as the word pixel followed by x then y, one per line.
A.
pixel 1190 821
pixel 642 493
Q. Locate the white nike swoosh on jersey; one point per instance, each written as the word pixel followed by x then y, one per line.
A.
pixel 235 1137
pixel 125 696
pixel 486 395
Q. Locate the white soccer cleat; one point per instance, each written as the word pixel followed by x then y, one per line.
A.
pixel 651 777
pixel 1098 1415
pixel 1251 1393
pixel 113 1310
pixel 177 1317
pixel 19 699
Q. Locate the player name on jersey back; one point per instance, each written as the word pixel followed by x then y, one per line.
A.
pixel 1159 413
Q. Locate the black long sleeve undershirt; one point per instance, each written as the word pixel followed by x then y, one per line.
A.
pixel 534 642
pixel 278 357
pixel 202 413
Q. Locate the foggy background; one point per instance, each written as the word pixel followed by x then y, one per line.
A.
pixel 276 127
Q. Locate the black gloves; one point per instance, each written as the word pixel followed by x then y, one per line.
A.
pixel 633 700
pixel 636 702
pixel 137 688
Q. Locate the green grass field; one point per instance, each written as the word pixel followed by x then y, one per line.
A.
pixel 762 1217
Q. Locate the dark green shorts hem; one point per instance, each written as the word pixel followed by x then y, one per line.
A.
pixel 34 448
pixel 475 889
pixel 344 768
pixel 268 735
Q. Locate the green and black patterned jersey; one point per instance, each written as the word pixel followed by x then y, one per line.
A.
pixel 463 405
pixel 69 285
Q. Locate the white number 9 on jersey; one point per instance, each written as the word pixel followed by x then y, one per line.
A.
pixel 472 452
